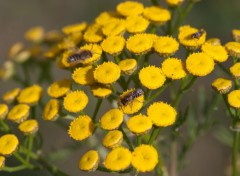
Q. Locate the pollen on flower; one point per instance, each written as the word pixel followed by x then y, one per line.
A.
pixel 51 110
pixel 59 88
pixel 96 53
pixel 234 99
pixel 19 113
pixel 28 127
pixel 8 144
pixel 235 70
pixel 113 44
pixel 139 124
pixel 113 139
pixel 30 95
pixel 84 75
pixel 111 120
pixel 101 90
pixel 89 161
pixel 3 111
pixel 157 14
pixel 136 24
pixel 222 85
pixel 130 8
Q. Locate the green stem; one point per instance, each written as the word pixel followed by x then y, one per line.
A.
pixel 30 145
pixel 224 69
pixel 139 140
pixel 125 137
pixel 19 158
pixel 155 2
pixel 103 169
pixel 235 153
pixel 173 159
pixel 14 169
pixel 99 102
pixel 227 105
pixel 5 126
pixel 155 133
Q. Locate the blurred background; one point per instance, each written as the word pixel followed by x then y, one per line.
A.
pixel 218 17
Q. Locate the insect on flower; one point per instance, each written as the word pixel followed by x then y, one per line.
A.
pixel 78 56
pixel 198 34
pixel 128 98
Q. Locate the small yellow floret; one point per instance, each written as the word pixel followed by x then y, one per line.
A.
pixel 113 44
pixel 11 95
pixel 136 24
pixel 28 126
pixel 113 139
pixel 51 110
pixel 222 85
pixel 233 49
pixel 83 75
pixel 101 91
pixel 89 161
pixel 114 27
pixel 19 113
pixel 35 34
pixel 79 27
pixel 235 70
pixel 174 2
pixel 234 99
pixel 130 8
pixel 8 144
pixel 2 162
pixel 59 88
pixel 30 95
pixel 174 68
pixel 139 124
pixel 236 34
pixel 128 66
pixel 217 52
pixel 106 17
pixel 157 14
pixel 112 119
pixel 3 111
pixel 93 34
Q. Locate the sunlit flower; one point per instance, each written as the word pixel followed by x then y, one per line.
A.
pixel 234 99
pixel 19 113
pixel 100 90
pixel 96 53
pixel 3 111
pixel 106 17
pixel 83 75
pixel 214 41
pixel 51 110
pixel 35 34
pixel 233 49
pixel 11 95
pixel 139 124
pixel 128 66
pixel 130 8
pixel 222 85
pixel 8 144
pixel 89 161
pixel 174 68
pixel 2 162
pixel 157 14
pixel 111 120
pixel 217 52
pixel 30 95
pixel 93 34
pixel 114 27
pixel 28 126
pixel 59 88
pixel 136 24
pixel 174 2
pixel 113 139
pixel 113 44
pixel 236 34
pixel 79 27
pixel 235 70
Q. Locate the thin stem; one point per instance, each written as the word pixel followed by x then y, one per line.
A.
pixel 5 126
pixel 235 153
pixel 125 137
pixel 227 105
pixel 19 158
pixel 139 140
pixel 99 102
pixel 173 159
pixel 224 69
pixel 30 145
pixel 14 169
pixel 155 133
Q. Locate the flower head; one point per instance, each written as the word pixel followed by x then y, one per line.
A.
pixel 130 8
pixel 235 70
pixel 93 34
pixel 106 17
pixel 157 14
pixel 100 90
pixel 30 95
pixel 8 144
pixel 128 66
pixel 136 24
pixel 233 49
pixel 19 113
pixel 2 162
pixel 174 68
pixel 113 139
pixel 112 119
pixel 114 27
pixel 6 70
pixel 79 27
pixel 113 44
pixel 35 34
pixel 3 111
pixel 234 99
pixel 174 2
pixel 28 126
pixel 236 34
pixel 96 53
pixel 59 88
pixel 89 161
pixel 214 41
pixel 222 85
pixel 84 75
pixel 139 124
pixel 161 114
pixel 11 95
pixel 81 128
pixel 51 110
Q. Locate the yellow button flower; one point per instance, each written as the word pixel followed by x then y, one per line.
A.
pixel 2 162
pixel 93 34
pixel 96 53
pixel 114 27
pixel 51 110
pixel 214 41
pixel 75 101
pixel 28 127
pixel 112 119
pixel 165 46
pixel 199 64
pixel 235 70
pixel 139 124
pixel 59 88
pixel 100 90
pixel 19 113
pixel 236 34
pixel 107 73
pixel 136 24
pixel 6 70
pixel 8 144
pixel 35 34
pixel 3 111
pixel 81 128
pixel 106 17
pixel 11 95
pixel 30 95
pixel 217 52
pixel 144 158
pixel 128 66
pixel 113 139
pixel 139 43
pixel 174 2
pixel 234 99
pixel 130 8
pixel 222 85
pixel 157 14
pixel 118 159
pixel 89 161
pixel 161 114
pixel 52 52
pixel 83 75
pixel 233 49
pixel 79 27
pixel 152 77
pixel 174 68
pixel 113 45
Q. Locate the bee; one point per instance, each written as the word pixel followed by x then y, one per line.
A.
pixel 198 34
pixel 79 56
pixel 128 98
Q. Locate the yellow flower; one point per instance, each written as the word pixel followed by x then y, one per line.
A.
pixel 93 34
pixel 236 34
pixel 35 34
pixel 75 101
pixel 114 27
pixel 30 95
pixel 52 52
pixel 174 2
pixel 161 114
pixel 107 73
pixel 174 68
pixel 28 126
pixel 187 37
pixel 106 17
pixel 89 161
pixel 59 88
pixel 96 53
pixel 128 66
pixel 214 41
pixel 152 77
pixel 18 54
pixel 233 49
pixel 234 99
pixel 199 64
pixel 79 27
pixel 139 124
pixel 136 24
pixel 144 158
pixel 83 75
pixel 112 119
pixel 81 128
pixel 8 144
pixel 216 52
pixel 53 36
pixel 157 14
pixel 100 90
pixel 130 8
pixel 2 162
pixel 235 70
pixel 222 85
pixel 6 70
pixel 113 139
pixel 166 46
pixel 113 45
pixel 3 111
pixel 118 159
pixel 131 101
pixel 19 113
pixel 51 110
pixel 139 44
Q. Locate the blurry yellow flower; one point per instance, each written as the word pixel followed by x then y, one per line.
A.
pixel 139 44
pixel 157 14
pixel 96 53
pixel 222 85
pixel 118 159
pixel 144 158
pixel 59 88
pixel 81 128
pixel 236 34
pixel 35 34
pixel 130 8
pixel 113 139
pixel 100 90
pixel 66 44
pixel 30 95
pixel 19 113
pixel 75 101
pixel 93 34
pixel 165 46
pixel 2 162
pixel 214 41
pixel 52 52
pixel 114 27
pixel 174 2
pixel 6 70
pixel 3 111
pixel 199 64
pixel 107 73
pixel 53 36
pixel 83 75
pixel 113 45
pixel 51 110
pixel 174 68
pixel 139 124
pixel 8 144
pixel 235 70
pixel 128 66
pixel 28 127
pixel 112 119
pixel 79 27
pixel 18 54
pixel 89 161
pixel 233 49
pixel 136 24
pixel 161 114
pixel 151 77
pixel 216 52
pixel 234 99
pixel 106 17
pixel 11 95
